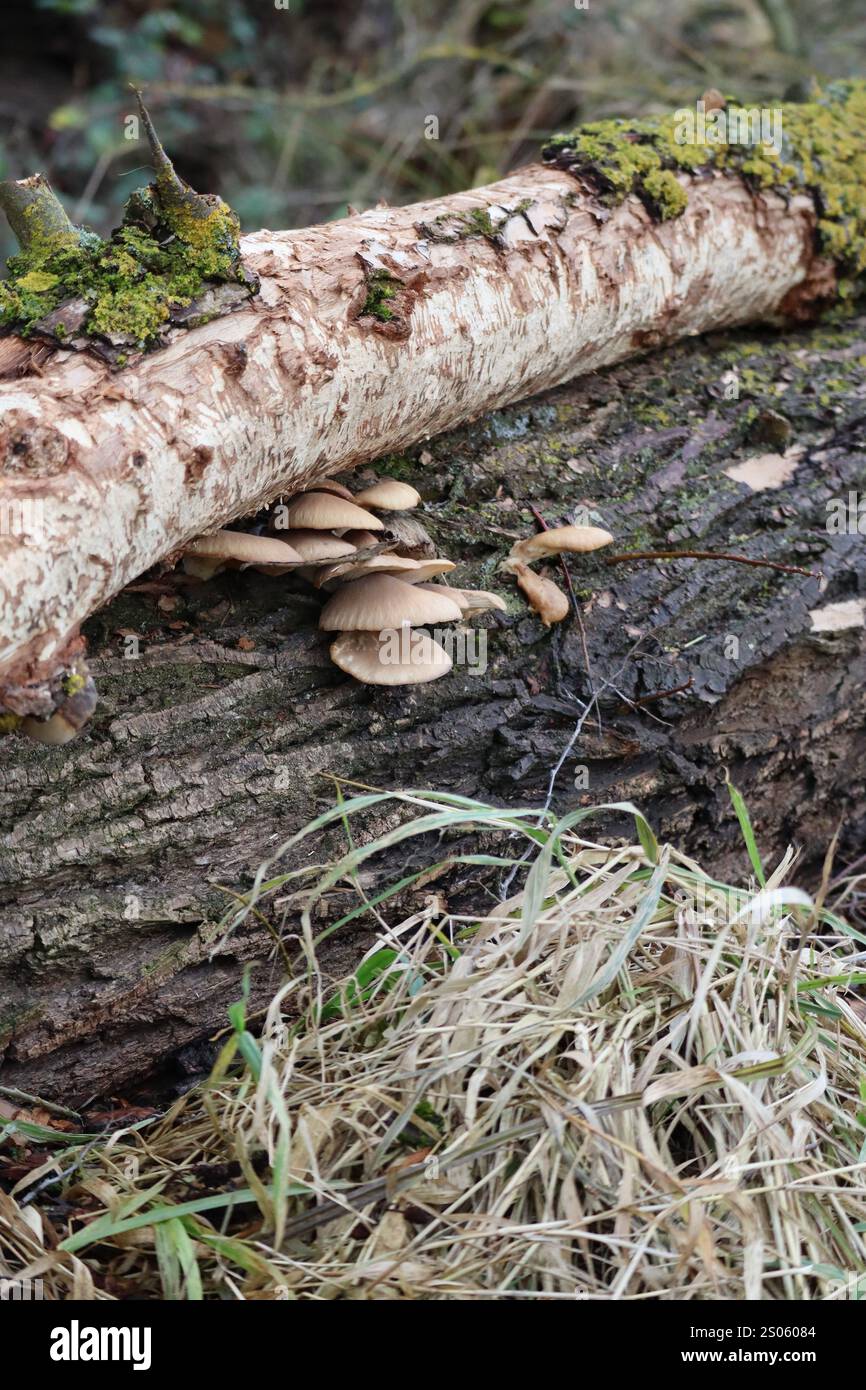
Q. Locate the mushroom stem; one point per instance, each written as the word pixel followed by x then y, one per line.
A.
pixel 35 214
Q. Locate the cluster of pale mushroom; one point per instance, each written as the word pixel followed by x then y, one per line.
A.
pixel 380 598
pixel 545 597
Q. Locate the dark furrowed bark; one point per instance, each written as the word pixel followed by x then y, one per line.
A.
pixel 120 851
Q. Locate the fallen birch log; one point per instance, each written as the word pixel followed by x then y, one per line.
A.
pixel 369 334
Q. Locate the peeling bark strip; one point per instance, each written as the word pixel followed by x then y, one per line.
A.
pixel 369 334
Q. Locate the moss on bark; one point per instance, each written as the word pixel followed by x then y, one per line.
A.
pixel 71 285
pixel 821 151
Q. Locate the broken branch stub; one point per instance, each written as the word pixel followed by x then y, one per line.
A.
pixel 174 260
pixel 35 214
pixel 369 334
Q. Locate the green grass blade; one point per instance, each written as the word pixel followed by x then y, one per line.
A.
pixel 741 811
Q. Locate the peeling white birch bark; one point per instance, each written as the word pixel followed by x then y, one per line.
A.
pixel 117 470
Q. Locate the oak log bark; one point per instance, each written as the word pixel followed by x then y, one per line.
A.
pixel 125 467
pixel 119 852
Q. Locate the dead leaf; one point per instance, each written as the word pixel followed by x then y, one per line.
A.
pixel 767 470
pixel 837 617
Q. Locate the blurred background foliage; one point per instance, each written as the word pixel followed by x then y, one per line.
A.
pixel 295 112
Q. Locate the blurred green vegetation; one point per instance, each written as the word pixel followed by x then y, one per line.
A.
pixel 295 113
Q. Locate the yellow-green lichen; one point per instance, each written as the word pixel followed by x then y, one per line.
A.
pixel 73 683
pixel 129 285
pixel 665 192
pixel 474 222
pixel 817 147
pixel 38 281
pixel 173 245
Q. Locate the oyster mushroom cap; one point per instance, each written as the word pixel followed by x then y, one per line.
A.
pixel 374 564
pixel 482 601
pixel 407 658
pixel 360 539
pixel 332 486
pixel 322 511
pixel 319 546
pixel 379 602
pixel 428 569
pixel 470 601
pixel 207 554
pixel 558 540
pixel 456 595
pixel 547 600
pixel 389 495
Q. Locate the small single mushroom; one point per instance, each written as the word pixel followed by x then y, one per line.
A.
pixel 379 602
pixel 68 719
pixel 322 511
pixel 56 730
pixel 408 658
pixel 389 495
pixel 548 601
pixel 557 540
pixel 207 554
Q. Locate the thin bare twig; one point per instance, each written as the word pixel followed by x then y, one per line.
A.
pixel 708 555
pixel 662 694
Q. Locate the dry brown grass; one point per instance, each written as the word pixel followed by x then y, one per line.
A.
pixel 625 1082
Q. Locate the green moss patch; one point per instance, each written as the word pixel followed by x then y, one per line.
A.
pixel 475 222
pixel 821 151
pixel 128 287
pixel 173 247
pixel 380 288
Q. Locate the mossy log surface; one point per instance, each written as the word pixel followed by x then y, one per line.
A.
pixel 222 737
